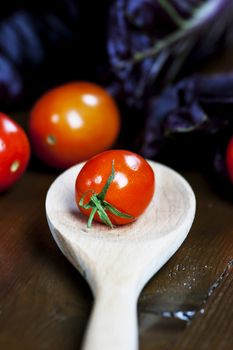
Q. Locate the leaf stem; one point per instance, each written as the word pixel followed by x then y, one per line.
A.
pixel 200 18
pixel 174 15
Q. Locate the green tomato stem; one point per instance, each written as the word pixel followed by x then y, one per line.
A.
pixel 91 217
pixel 99 205
pixel 102 194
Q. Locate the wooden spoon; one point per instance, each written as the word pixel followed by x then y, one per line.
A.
pixel 118 262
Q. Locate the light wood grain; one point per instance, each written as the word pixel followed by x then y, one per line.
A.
pixel 117 263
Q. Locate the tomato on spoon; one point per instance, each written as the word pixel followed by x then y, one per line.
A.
pixel 114 187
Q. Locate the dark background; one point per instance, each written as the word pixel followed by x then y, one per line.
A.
pixel 47 43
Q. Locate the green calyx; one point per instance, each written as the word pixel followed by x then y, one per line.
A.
pixel 100 206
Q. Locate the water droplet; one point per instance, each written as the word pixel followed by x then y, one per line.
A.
pixel 202 311
pixel 184 315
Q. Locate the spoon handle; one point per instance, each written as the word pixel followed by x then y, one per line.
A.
pixel 113 323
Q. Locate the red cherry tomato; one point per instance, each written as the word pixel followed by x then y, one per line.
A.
pixel 73 122
pixel 14 152
pixel 229 159
pixel 119 181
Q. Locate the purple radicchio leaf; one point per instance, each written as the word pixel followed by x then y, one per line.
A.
pixel 32 37
pixel 199 107
pixel 152 42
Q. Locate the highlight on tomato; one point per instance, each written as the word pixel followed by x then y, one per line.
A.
pixel 114 187
pixel 229 158
pixel 73 122
pixel 14 152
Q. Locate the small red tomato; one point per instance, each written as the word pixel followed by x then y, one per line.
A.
pixel 73 122
pixel 14 152
pixel 114 187
pixel 229 158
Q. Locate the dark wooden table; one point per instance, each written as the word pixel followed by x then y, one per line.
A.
pixel 45 303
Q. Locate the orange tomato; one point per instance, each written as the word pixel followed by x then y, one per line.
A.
pixel 73 122
pixel 131 185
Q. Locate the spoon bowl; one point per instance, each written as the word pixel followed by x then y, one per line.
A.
pixel 118 262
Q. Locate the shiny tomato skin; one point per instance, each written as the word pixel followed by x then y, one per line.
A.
pixel 73 122
pixel 131 190
pixel 14 152
pixel 229 159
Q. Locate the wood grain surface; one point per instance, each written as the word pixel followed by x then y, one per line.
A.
pixel 45 303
